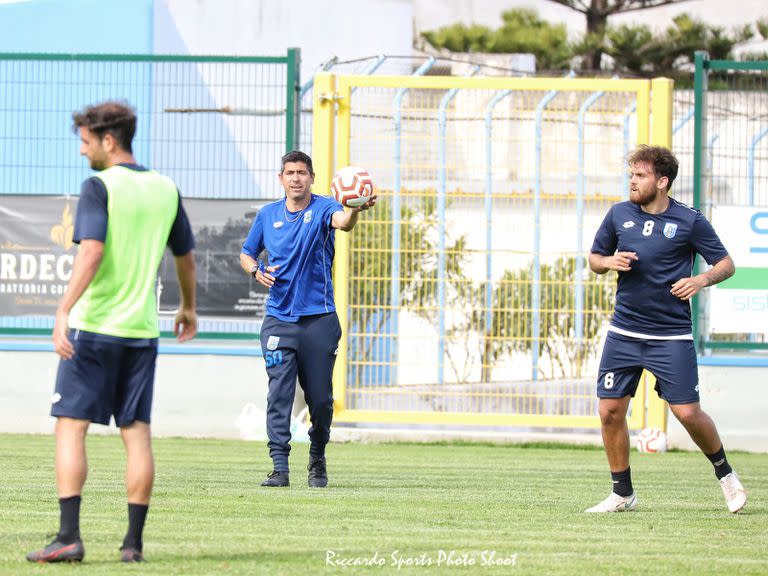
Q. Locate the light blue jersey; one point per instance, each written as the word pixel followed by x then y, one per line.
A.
pixel 302 244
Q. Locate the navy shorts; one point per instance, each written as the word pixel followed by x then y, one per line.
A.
pixel 106 377
pixel 672 362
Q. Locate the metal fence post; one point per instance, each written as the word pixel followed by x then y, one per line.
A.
pixel 395 215
pixel 442 192
pixel 488 207
pixel 699 135
pixel 292 100
pixel 323 130
pixel 580 185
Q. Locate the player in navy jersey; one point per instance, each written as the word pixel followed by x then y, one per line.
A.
pixel 301 331
pixel 651 241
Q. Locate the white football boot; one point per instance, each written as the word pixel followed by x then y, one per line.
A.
pixel 734 492
pixel 615 503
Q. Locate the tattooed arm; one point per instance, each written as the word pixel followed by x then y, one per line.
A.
pixel 686 288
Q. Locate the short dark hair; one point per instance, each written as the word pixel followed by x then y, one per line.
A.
pixel 296 156
pixel 111 117
pixel 661 159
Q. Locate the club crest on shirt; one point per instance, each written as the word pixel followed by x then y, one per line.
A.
pixel 670 230
pixel 277 224
pixel 628 224
pixel 307 216
pixel 272 342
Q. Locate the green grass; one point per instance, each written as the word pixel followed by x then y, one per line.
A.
pixel 209 515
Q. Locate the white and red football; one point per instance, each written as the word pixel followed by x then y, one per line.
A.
pixel 651 440
pixel 352 186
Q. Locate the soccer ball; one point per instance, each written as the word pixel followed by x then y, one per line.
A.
pixel 352 186
pixel 651 440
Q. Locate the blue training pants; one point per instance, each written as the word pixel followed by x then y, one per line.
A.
pixel 305 350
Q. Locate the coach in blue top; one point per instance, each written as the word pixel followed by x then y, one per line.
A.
pixel 301 332
pixel 651 241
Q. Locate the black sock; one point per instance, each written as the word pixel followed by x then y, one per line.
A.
pixel 622 482
pixel 720 462
pixel 137 514
pixel 69 523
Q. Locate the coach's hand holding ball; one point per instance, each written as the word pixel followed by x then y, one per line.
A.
pixel 363 207
pixel 353 187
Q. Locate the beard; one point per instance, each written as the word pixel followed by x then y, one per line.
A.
pixel 643 198
pixel 97 164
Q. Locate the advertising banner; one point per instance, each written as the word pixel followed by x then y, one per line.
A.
pixel 740 304
pixel 37 253
pixel 223 288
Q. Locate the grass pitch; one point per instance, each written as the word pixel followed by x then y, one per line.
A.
pixel 435 508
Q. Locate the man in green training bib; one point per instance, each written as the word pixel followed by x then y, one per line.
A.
pixel 106 327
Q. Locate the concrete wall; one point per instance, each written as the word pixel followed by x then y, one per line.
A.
pixel 204 395
pixel 737 400
pixel 195 395
pixel 340 28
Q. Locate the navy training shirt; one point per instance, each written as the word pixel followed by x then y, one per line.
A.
pixel 302 244
pixel 91 217
pixel 666 245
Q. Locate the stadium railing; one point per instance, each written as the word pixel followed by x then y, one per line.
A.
pixel 464 296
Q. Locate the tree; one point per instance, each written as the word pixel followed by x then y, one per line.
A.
pixel 461 38
pixel 469 336
pixel 512 317
pixel 635 50
pixel 597 13
pixel 370 300
pixel 522 31
pixel 631 48
pixel 761 26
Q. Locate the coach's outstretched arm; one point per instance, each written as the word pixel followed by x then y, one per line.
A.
pixel 687 288
pixel 621 262
pixel 185 324
pixel 347 219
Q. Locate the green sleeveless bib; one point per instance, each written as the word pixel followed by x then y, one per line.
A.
pixel 120 300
